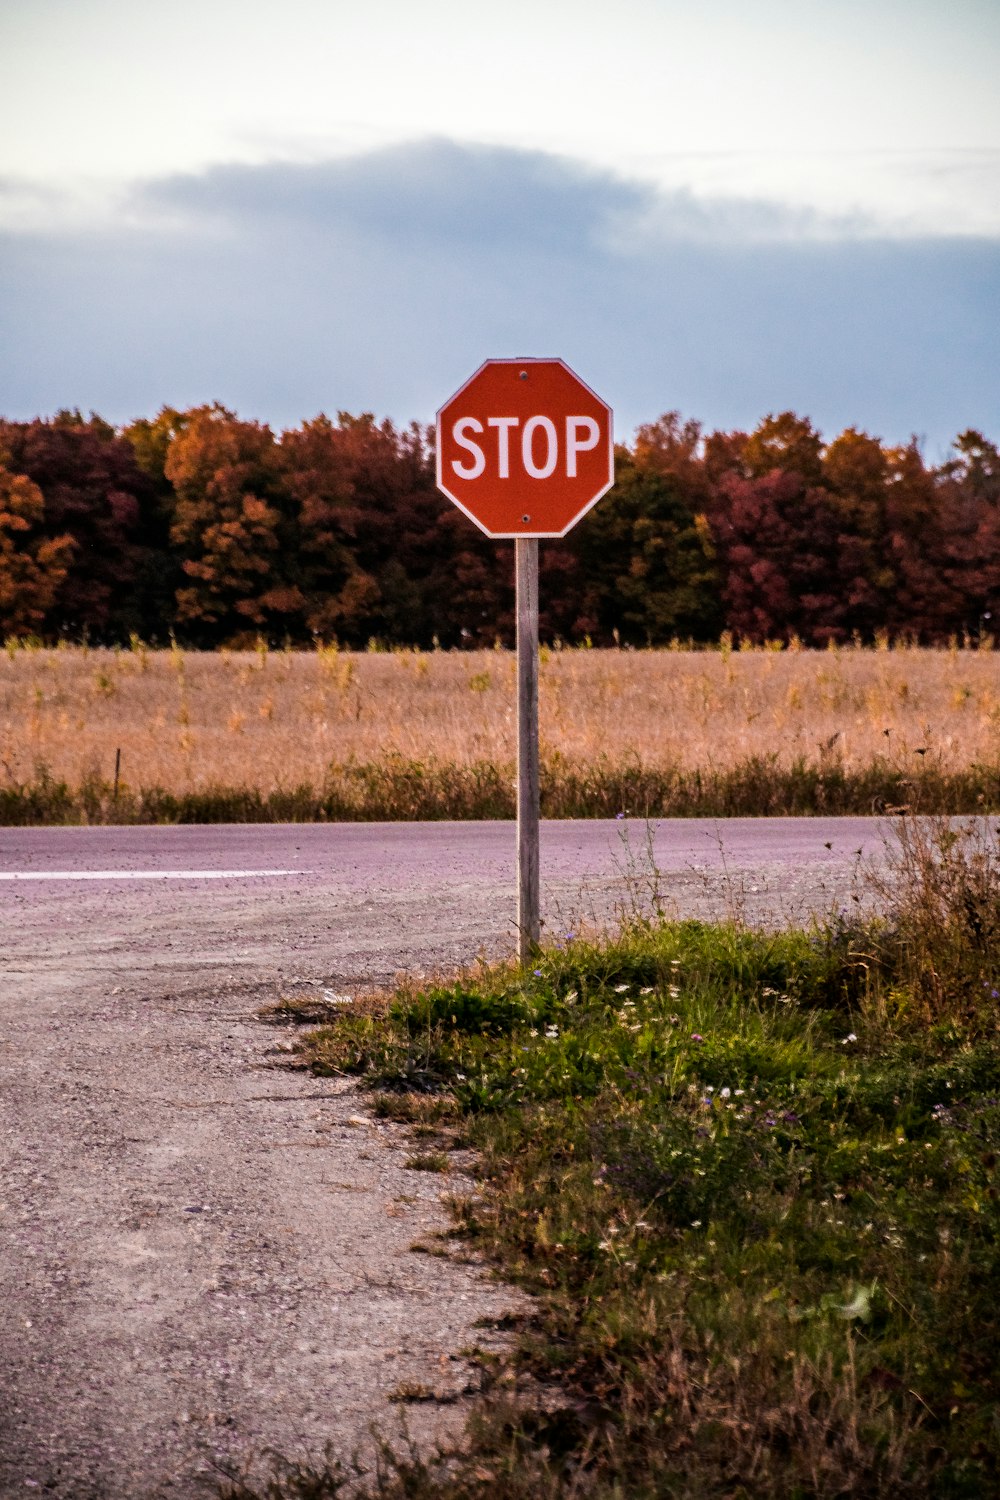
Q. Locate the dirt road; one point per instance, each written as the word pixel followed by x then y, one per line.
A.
pixel 202 1255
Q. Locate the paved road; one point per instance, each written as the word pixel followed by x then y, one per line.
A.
pixel 150 909
pixel 202 1256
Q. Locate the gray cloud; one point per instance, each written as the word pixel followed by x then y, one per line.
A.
pixel 445 190
pixel 381 282
pixel 434 191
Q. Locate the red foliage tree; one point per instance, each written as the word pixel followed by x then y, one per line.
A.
pixel 94 492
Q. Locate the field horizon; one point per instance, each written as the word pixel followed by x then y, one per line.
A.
pixel 142 734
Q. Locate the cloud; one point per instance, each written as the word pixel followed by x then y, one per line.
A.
pixel 433 191
pixel 380 282
pixel 440 189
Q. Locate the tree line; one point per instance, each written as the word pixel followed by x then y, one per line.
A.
pixel 217 530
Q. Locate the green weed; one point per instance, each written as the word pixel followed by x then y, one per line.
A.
pixel 751 1181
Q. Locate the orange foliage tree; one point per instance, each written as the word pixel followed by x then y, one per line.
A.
pixel 32 565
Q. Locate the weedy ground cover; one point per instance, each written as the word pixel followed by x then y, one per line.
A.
pixel 281 735
pixel 750 1179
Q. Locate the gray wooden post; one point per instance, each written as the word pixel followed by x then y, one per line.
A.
pixel 528 905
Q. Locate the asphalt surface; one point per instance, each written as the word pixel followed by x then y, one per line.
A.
pixel 147 907
pixel 203 1255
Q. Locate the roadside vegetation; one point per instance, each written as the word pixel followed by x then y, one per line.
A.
pixel 266 735
pixel 750 1179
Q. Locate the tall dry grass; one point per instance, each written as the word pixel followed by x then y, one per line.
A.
pixel 186 722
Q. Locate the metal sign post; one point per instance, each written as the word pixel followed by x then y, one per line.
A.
pixel 525 448
pixel 528 902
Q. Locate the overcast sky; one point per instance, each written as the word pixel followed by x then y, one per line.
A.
pixel 726 207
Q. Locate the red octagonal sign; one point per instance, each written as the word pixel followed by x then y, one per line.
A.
pixel 525 448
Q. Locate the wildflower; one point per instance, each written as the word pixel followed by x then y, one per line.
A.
pixel 570 996
pixel 724 1093
pixel 697 1037
pixel 674 1020
pixel 569 937
pixel 551 1032
pixel 695 1223
pixel 850 1037
pixel 740 1093
pixel 647 991
pixel 537 973
pixel 619 816
pixel 674 991
pixel 710 1088
pixel 620 989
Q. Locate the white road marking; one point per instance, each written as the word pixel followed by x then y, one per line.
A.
pixel 143 874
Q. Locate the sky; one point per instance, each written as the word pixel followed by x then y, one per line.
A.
pixel 725 208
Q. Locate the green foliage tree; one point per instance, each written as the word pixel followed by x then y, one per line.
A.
pixel 646 563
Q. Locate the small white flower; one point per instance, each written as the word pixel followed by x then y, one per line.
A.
pixel 620 989
pixel 647 991
pixel 740 1093
pixel 673 991
pixel 695 1223
pixel 551 1032
pixel 850 1037
pixel 724 1093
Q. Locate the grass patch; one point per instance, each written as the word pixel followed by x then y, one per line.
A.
pixel 751 1181
pixel 395 789
pixel 428 1161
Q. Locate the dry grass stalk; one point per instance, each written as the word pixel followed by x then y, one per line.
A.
pixel 267 719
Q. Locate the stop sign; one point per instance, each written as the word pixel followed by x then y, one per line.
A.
pixel 525 448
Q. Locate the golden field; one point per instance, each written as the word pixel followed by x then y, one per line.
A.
pixel 267 719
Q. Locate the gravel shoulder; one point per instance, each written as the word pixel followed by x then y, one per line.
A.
pixel 206 1256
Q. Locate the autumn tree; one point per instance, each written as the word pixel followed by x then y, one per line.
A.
pixel 432 570
pixel 784 444
pixel 319 478
pixel 159 573
pixel 233 529
pixel 33 566
pixel 94 492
